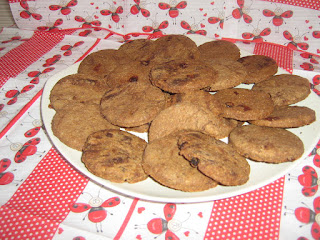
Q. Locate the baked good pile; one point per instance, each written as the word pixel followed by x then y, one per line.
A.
pixel 206 112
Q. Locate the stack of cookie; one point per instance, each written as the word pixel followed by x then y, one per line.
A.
pixel 185 98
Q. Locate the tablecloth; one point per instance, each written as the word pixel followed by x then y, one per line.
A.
pixel 44 197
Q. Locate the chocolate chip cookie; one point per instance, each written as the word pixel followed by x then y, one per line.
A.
pixel 230 74
pixel 288 117
pixel 265 144
pixel 219 49
pixel 259 68
pixel 182 75
pixel 100 63
pixel 285 89
pixel 73 123
pixel 214 158
pixel 76 88
pixel 174 47
pixel 133 104
pixel 161 160
pixel 244 104
pixel 187 116
pixel 115 155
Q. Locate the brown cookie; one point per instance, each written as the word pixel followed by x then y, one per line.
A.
pixel 285 89
pixel 141 50
pixel 76 88
pixel 219 49
pixel 161 160
pixel 258 67
pixel 230 74
pixel 180 76
pixel 115 155
pixel 133 71
pixel 288 117
pixel 174 47
pixel 198 97
pixel 214 158
pixel 264 144
pixel 73 123
pixel 100 63
pixel 133 104
pixel 244 104
pixel 187 116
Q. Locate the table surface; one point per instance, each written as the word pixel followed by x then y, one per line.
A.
pixel 44 197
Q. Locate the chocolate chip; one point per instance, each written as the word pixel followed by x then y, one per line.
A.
pixel 110 135
pixel 229 104
pixel 183 65
pixel 97 67
pixel 271 118
pixel 133 79
pixel 194 162
pixel 245 108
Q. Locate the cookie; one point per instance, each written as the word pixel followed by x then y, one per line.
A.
pixel 285 89
pixel 182 75
pixel 133 104
pixel 187 116
pixel 174 47
pixel 198 97
pixel 288 117
pixel 264 144
pixel 258 68
pixel 219 49
pixel 76 88
pixel 230 74
pixel 75 122
pixel 102 62
pixel 133 71
pixel 214 158
pixel 138 50
pixel 115 155
pixel 162 162
pixel 244 104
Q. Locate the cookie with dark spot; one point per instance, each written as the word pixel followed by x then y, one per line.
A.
pixel 73 123
pixel 174 47
pixel 265 144
pixel 133 104
pixel 244 104
pixel 115 155
pixel 219 49
pixel 285 89
pixel 187 116
pixel 102 62
pixel 76 88
pixel 198 97
pixel 181 75
pixel 161 160
pixel 230 74
pixel 259 68
pixel 288 117
pixel 214 158
pixel 133 71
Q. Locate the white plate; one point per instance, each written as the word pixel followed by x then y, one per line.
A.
pixel 261 173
